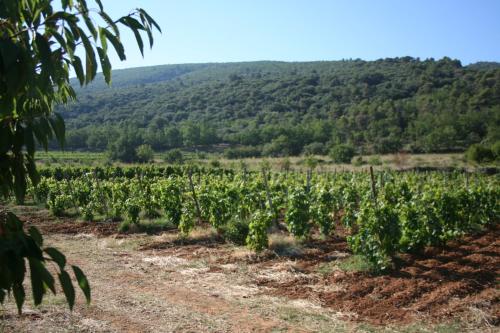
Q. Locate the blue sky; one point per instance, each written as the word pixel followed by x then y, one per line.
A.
pixel 307 30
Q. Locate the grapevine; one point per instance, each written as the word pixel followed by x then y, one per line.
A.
pixel 408 212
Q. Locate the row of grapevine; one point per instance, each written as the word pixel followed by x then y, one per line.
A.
pixel 386 215
pixel 110 172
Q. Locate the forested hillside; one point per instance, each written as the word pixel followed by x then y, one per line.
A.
pixel 283 108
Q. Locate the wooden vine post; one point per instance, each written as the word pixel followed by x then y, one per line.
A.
pixel 71 191
pixel 266 185
pixel 374 190
pixel 269 199
pixel 308 180
pixel 102 196
pixel 195 198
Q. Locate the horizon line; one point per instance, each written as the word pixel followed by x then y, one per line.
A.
pixel 307 61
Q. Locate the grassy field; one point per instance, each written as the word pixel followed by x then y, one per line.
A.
pixel 70 157
pixel 297 163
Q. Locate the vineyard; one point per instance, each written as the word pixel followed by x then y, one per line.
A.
pixel 383 213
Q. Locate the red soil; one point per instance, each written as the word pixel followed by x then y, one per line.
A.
pixel 441 283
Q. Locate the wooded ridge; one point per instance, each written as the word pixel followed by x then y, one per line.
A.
pixel 288 108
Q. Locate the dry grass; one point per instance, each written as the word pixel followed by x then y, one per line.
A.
pixel 389 161
pixel 297 163
pixel 285 245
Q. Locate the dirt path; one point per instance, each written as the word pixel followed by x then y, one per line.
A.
pixel 160 283
pixel 156 291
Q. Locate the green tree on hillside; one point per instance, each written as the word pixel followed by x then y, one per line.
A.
pixel 342 153
pixel 144 153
